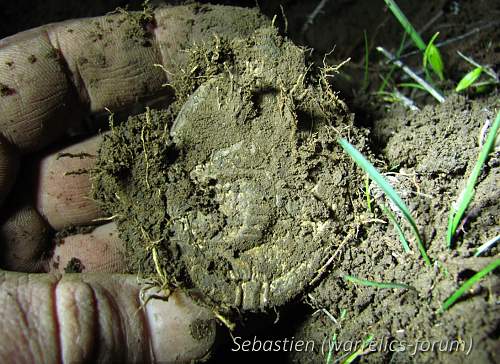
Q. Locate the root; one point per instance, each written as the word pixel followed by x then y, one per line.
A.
pixel 330 260
pixel 160 271
pixel 230 325
pixel 146 161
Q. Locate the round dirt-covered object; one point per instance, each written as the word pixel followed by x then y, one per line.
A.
pixel 248 193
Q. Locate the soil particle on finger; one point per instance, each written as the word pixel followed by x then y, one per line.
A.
pixel 137 24
pixel 201 329
pixel 5 90
pixel 59 236
pixel 81 155
pixel 52 54
pixel 75 265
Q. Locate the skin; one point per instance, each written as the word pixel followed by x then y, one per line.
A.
pixel 95 316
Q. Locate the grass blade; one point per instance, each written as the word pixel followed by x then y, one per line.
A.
pixel 468 284
pixel 365 282
pixel 469 79
pixel 385 79
pixel 435 93
pixel 487 246
pixel 353 356
pixel 331 345
pixel 401 235
pixel 432 56
pixel 406 24
pixel 367 194
pixel 466 196
pixel 486 69
pixel 412 85
pixel 388 190
pixel 365 78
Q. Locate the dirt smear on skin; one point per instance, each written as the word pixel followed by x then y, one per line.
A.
pixel 75 265
pixel 431 154
pixel 239 190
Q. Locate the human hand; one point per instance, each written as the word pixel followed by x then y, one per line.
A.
pixel 49 78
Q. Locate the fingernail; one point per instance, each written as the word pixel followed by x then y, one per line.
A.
pixel 180 330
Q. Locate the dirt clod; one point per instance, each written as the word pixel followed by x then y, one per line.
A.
pixel 75 265
pixel 238 190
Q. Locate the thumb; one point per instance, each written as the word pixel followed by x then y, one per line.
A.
pixel 78 318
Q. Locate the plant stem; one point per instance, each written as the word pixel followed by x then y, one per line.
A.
pixel 406 24
pixel 468 284
pixel 412 74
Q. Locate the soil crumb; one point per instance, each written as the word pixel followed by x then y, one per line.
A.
pixel 60 235
pixel 75 265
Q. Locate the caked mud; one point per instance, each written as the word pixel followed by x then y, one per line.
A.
pixel 239 191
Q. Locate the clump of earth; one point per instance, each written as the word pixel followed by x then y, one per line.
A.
pixel 238 192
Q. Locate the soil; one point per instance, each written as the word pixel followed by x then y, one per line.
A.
pixel 75 265
pixel 239 194
pixel 219 189
pixel 432 157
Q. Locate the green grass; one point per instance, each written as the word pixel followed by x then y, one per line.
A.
pixel 469 79
pixel 400 232
pixel 329 356
pixel 385 80
pixel 343 314
pixel 353 356
pixel 365 78
pixel 365 282
pixel 409 29
pixel 432 56
pixel 464 199
pixel 388 190
pixel 367 194
pixel 428 87
pixel 468 284
pixel 412 85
